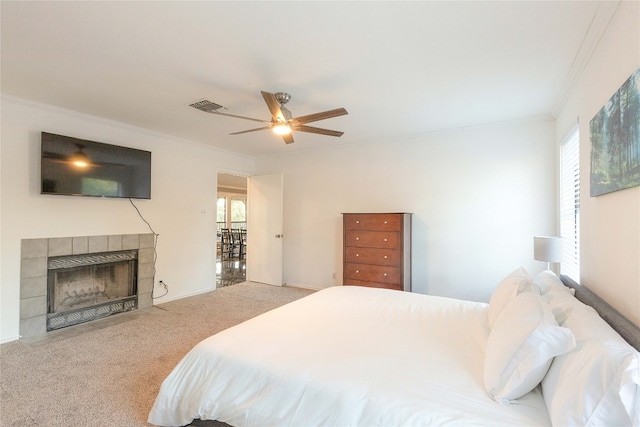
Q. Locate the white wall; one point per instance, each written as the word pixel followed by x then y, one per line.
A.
pixel 182 209
pixel 478 196
pixel 610 224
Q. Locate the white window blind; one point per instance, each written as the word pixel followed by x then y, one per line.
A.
pixel 570 205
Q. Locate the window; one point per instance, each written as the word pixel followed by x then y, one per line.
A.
pixel 222 213
pixel 570 205
pixel 100 187
pixel 231 211
pixel 238 213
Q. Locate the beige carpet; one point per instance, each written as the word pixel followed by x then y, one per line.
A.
pixel 108 372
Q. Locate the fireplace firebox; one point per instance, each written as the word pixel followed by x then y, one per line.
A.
pixel 81 288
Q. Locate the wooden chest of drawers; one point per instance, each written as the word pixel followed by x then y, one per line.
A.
pixel 377 250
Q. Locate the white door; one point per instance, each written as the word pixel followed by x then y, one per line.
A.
pixel 264 229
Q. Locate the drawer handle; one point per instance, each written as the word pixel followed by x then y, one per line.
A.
pixel 357 238
pixel 385 274
pixel 357 271
pixel 357 222
pixel 357 254
pixel 385 222
pixel 385 240
pixel 385 257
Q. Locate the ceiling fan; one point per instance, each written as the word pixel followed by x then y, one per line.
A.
pixel 281 121
pixel 79 158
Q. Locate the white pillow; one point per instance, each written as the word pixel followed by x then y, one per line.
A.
pixel 562 303
pixel 559 296
pixel 521 346
pixel 598 383
pixel 547 281
pixel 515 283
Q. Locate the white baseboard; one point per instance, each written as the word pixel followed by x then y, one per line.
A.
pixel 191 294
pixel 310 287
pixel 9 339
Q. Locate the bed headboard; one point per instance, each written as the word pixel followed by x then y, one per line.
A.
pixel 626 328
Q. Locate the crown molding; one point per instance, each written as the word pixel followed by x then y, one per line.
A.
pixel 5 98
pixel 597 28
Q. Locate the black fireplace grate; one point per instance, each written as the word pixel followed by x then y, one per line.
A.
pixel 85 314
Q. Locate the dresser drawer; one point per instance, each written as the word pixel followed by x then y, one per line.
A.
pixel 352 282
pixel 378 222
pixel 372 273
pixel 373 256
pixel 373 239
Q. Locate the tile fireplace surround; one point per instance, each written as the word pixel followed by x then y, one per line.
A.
pixel 33 271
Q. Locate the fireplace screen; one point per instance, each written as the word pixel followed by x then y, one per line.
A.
pixel 86 287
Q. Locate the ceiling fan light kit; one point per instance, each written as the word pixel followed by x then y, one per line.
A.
pixel 281 121
pixel 282 129
pixel 79 159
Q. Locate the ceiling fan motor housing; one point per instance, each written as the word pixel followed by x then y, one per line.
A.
pixel 282 97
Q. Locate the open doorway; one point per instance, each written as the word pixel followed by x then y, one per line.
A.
pixel 231 235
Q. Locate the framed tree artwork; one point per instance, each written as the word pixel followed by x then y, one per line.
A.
pixel 615 140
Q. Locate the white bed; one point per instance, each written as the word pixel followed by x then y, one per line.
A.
pixel 349 356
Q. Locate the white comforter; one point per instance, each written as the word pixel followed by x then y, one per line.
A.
pixel 345 356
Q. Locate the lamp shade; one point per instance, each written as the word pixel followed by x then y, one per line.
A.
pixel 548 249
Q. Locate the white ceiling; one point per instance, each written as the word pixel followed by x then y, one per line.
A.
pixel 399 68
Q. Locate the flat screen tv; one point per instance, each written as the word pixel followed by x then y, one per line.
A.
pixel 77 167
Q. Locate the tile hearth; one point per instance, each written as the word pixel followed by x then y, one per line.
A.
pixel 33 271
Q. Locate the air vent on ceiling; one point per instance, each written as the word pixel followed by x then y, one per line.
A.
pixel 206 106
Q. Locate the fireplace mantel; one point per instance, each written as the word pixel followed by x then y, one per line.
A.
pixel 33 271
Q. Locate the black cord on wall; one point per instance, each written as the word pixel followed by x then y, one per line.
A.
pixel 155 254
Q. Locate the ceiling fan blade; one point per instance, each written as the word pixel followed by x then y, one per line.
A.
pixel 213 108
pixel 320 116
pixel 311 129
pixel 288 138
pixel 274 106
pixel 250 130
pixel 240 117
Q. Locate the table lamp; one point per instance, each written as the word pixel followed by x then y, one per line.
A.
pixel 548 249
